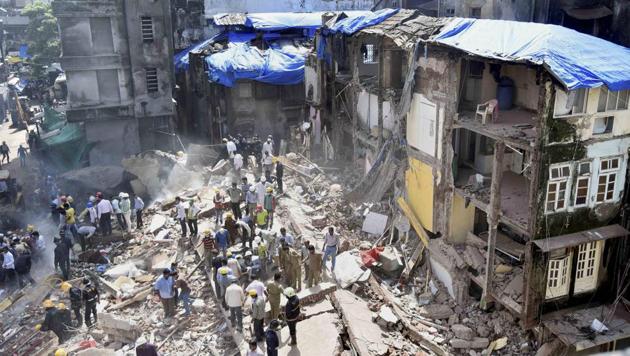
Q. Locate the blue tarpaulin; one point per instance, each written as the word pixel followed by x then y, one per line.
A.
pixel 181 59
pixel 351 24
pixel 278 21
pixel 24 52
pixel 576 59
pixel 276 65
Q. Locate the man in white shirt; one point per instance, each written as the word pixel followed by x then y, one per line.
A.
pixel 238 162
pixel 85 232
pixel 260 190
pixel 118 212
pixel 181 214
pixel 234 298
pixel 267 146
pixel 330 247
pixel 104 209
pixel 231 148
pixel 258 286
pixel 8 265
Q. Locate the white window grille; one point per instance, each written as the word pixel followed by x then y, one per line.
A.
pixel 558 272
pixel 370 55
pixel 557 187
pixel 608 171
pixel 146 27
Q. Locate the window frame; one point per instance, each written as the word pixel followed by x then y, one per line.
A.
pixel 146 24
pixel 608 173
pixel 557 182
pixel 604 90
pixel 572 114
pixel 588 258
pixel 370 48
pixel 562 276
pixel 152 85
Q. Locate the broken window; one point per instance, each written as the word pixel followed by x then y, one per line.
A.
pixel 607 179
pixel 558 272
pixel 582 184
pixel 146 27
pixel 603 125
pixel 612 100
pixel 588 261
pixel 152 80
pixel 369 53
pixel 571 103
pixel 557 187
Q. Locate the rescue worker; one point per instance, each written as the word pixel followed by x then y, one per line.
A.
pixel 191 218
pixel 51 321
pixel 8 265
pixel 292 313
pixel 331 240
pixel 269 205
pixel 279 175
pixel 274 291
pixel 231 227
pixel 65 319
pixel 223 281
pixel 233 265
pixel 261 217
pixel 125 208
pixel 138 206
pixel 260 188
pixel 251 200
pixel 245 226
pixel 62 258
pixel 209 247
pixel 267 165
pixel 23 268
pixel 314 267
pixel 271 338
pixel 234 298
pixel 91 297
pixel 258 314
pixel 218 201
pixel 222 239
pixel 180 208
pixel 288 238
pixel 258 286
pixel 236 195
pixel 295 267
pixel 304 254
pixel 76 300
pixel 283 256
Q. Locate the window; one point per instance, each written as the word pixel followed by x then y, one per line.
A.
pixel 558 272
pixel 475 12
pixel 370 54
pixel 146 27
pixel 557 187
pixel 152 80
pixel 587 269
pixel 450 12
pixel 571 103
pixel 607 178
pixel 582 184
pixel 612 100
pixel 603 125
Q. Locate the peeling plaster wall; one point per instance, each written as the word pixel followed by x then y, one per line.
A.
pixel 367 110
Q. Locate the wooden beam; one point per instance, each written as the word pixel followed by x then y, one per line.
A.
pixel 417 225
pixel 493 220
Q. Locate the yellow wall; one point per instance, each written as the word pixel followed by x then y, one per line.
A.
pixel 419 182
pixel 462 219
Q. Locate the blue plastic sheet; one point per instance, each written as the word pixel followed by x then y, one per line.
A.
pixel 352 24
pixel 181 59
pixel 576 59
pixel 24 52
pixel 277 21
pixel 278 66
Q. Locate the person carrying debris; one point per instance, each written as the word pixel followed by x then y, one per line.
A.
pixel 222 238
pixel 91 297
pixel 261 217
pixel 104 209
pixel 125 209
pixel 331 240
pixel 138 206
pixel 271 338
pixel 180 208
pixel 76 300
pixel 223 281
pixel 251 200
pixel 234 298
pixel 314 272
pixel 279 175
pixel 164 289
pixel 218 201
pixel 235 195
pixel 191 218
pixel 232 228
pixel 85 233
pixel 292 313
pixel 62 258
pixel 270 205
pixel 258 314
pixel 274 291
pixel 52 321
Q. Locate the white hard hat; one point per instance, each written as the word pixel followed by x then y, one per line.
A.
pixel 263 179
pixel 252 189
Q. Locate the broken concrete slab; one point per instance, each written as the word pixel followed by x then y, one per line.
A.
pixel 462 332
pixel 476 343
pixel 319 337
pixel 473 258
pixel 374 223
pixel 435 311
pixel 348 269
pixel 84 181
pixel 515 287
pixel 163 235
pixel 387 316
pixel 357 317
pixel 390 259
pixel 157 222
pixel 323 306
pixel 161 261
pixel 96 352
pixel 120 330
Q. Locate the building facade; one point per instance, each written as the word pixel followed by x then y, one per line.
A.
pixel 117 55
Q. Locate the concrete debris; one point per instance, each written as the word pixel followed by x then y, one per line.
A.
pixel 435 311
pixel 390 259
pixel 110 180
pixel 476 343
pixel 349 269
pixel 387 317
pixel 125 331
pixel 157 223
pixel 462 332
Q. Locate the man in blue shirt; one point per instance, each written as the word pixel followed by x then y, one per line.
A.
pixel 222 238
pixel 164 289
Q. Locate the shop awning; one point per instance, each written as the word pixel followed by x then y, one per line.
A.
pixel 582 237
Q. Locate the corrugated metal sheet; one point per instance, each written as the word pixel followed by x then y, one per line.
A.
pixel 230 19
pixel 407 27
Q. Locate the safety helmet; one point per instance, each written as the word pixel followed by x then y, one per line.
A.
pixel 269 189
pixel 48 304
pixel 30 228
pixel 232 279
pixel 253 293
pixel 248 253
pixel 263 179
pixel 61 306
pixel 257 239
pixel 252 189
pixel 90 204
pixel 61 352
pixel 38 327
pixel 229 254
pixel 289 292
pixel 70 199
pixel 207 232
pixel 180 153
pixel 229 215
pixel 225 140
pixel 65 286
pixel 224 270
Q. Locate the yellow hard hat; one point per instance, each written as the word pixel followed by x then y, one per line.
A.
pixel 253 293
pixel 61 352
pixel 207 232
pixel 180 153
pixel 38 327
pixel 65 287
pixel 229 254
pixel 61 306
pixel 269 189
pixel 274 159
pixel 30 228
pixel 48 303
pixel 224 270
pixel 70 199
pixel 229 215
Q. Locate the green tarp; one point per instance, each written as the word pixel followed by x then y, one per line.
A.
pixel 63 143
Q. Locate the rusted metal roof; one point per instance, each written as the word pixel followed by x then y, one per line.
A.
pixel 408 27
pixel 230 19
pixel 582 237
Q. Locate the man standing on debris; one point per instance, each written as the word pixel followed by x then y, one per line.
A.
pixel 238 163
pixel 164 289
pixel 184 293
pixel 279 175
pixel 235 195
pixel 271 338
pixel 22 153
pixel 274 290
pixel 118 213
pixel 305 255
pixel 233 265
pixel 270 205
pixel 180 208
pixel 258 314
pixel 261 186
pixel 288 238
pixel 295 266
pixel 251 200
pixel 191 218
pixel 23 268
pixel 223 281
pixel 258 286
pixel 222 238
pixel 245 225
pixel 125 208
pixel 62 258
pixel 292 313
pixel 267 165
pixel 267 146
pixel 230 146
pixel 218 201
pixel 85 233
pixel 104 209
pixel 138 205
pixel 232 228
pixel 52 322
pixel 208 247
pixel 234 298
pixel 314 273
pixel 5 152
pixel 65 318
pixel 8 265
pixel 76 300
pixel 91 297
pixel 261 217
pixel 71 220
pixel 331 240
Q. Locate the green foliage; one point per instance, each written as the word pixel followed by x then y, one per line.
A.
pixel 42 35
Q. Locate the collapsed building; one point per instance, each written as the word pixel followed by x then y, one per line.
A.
pixel 516 150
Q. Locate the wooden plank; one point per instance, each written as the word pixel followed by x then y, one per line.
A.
pixel 411 264
pixel 417 225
